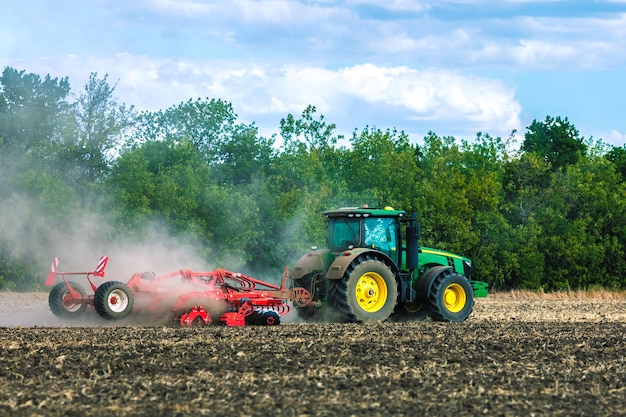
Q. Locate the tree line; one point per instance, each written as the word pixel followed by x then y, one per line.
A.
pixel 547 213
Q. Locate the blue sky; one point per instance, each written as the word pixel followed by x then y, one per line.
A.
pixel 455 67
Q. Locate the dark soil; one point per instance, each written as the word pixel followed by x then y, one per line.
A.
pixel 495 367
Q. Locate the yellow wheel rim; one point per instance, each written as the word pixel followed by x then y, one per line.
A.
pixel 371 292
pixel 454 298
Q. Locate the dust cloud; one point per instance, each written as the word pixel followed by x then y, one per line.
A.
pixel 39 228
pixel 79 247
pixel 32 230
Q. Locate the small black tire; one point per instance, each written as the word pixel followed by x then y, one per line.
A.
pixel 269 318
pixel 253 319
pixel 63 305
pixel 368 291
pixel 113 300
pixel 451 297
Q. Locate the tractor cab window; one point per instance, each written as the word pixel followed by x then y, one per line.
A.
pixel 380 234
pixel 343 233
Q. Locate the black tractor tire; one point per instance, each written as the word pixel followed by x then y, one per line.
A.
pixel 367 292
pixel 62 304
pixel 113 300
pixel 269 318
pixel 451 297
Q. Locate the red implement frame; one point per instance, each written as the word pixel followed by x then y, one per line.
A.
pixel 195 297
pixel 242 294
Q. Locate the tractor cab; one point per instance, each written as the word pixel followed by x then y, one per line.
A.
pixel 378 229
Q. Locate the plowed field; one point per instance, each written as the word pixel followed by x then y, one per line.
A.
pixel 513 357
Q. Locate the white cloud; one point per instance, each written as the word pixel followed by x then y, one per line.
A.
pixel 406 32
pixel 396 5
pixel 274 12
pixel 574 43
pixel 393 63
pixel 616 138
pixel 399 96
pixel 534 53
pixel 186 8
pixel 223 13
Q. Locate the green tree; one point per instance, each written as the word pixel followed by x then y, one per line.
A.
pixel 170 182
pixel 87 152
pixel 235 151
pixel 617 155
pixel 382 168
pixel 164 179
pixel 442 199
pixel 244 156
pixel 14 271
pixel 205 124
pixel 308 151
pixel 526 262
pixel 305 180
pixel 556 140
pixel 587 221
pixel 32 111
pixel 525 180
pixel 307 131
pixel 482 163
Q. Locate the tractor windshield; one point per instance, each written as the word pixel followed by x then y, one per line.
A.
pixel 343 233
pixel 380 234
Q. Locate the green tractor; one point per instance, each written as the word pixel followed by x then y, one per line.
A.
pixel 369 273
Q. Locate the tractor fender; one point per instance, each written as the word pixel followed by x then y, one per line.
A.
pixel 314 261
pixel 338 267
pixel 425 282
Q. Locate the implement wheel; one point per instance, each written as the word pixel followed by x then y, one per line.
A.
pixel 366 293
pixel 269 318
pixel 451 297
pixel 62 304
pixel 113 300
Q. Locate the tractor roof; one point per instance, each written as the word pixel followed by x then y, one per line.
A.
pixel 364 212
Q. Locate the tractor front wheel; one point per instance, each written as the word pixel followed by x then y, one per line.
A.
pixel 113 300
pixel 367 292
pixel 451 297
pixel 62 304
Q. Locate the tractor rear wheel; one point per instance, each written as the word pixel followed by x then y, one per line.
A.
pixel 113 300
pixel 367 292
pixel 451 297
pixel 62 304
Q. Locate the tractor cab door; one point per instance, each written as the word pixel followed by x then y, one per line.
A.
pixel 344 233
pixel 381 233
